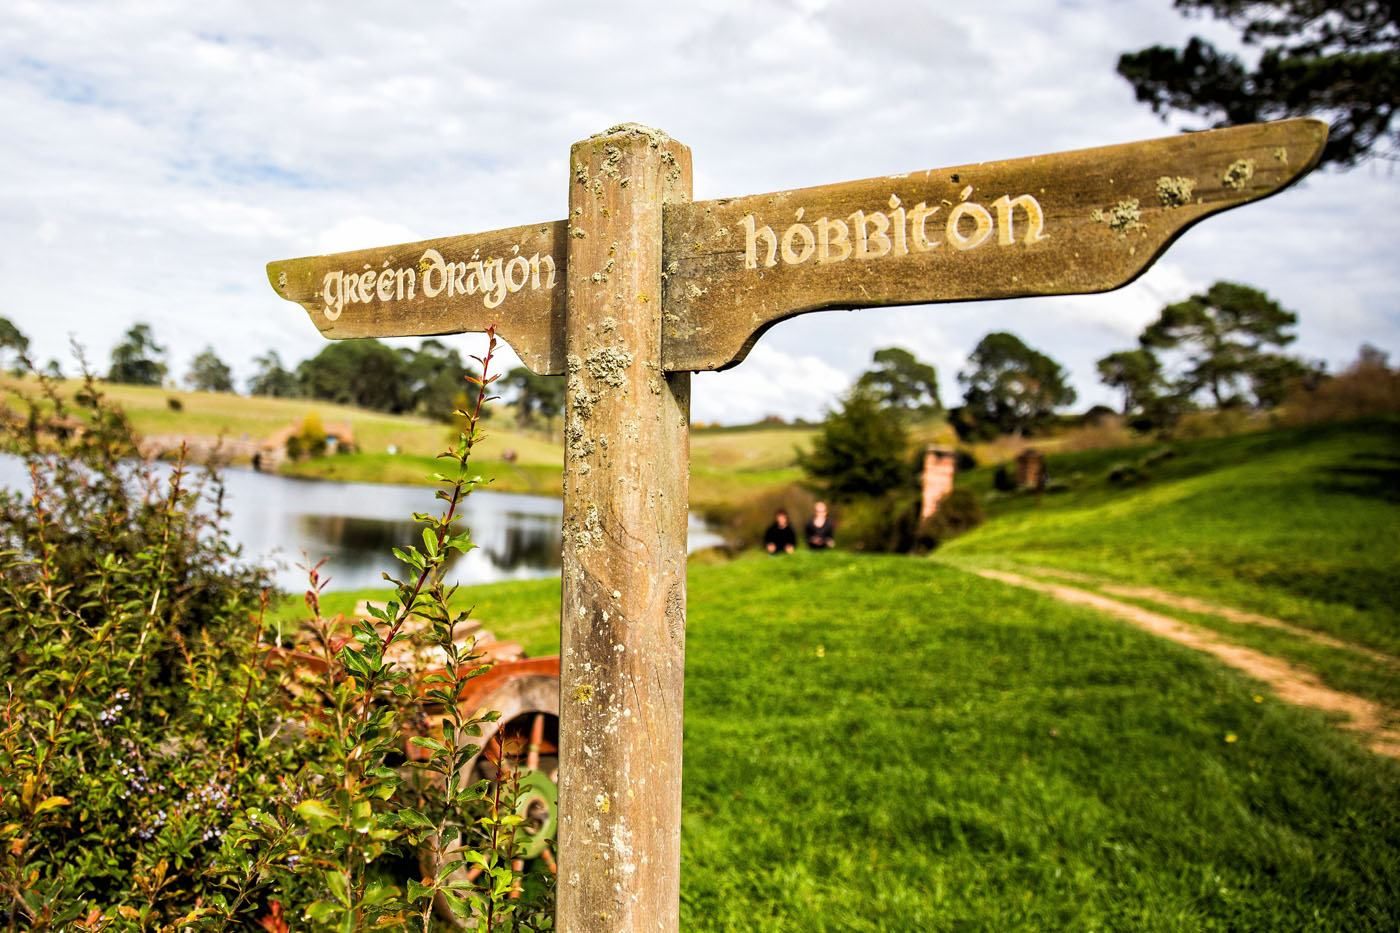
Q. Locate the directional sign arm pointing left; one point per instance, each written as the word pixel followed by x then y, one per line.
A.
pixel 513 278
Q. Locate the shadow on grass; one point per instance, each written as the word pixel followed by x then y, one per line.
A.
pixel 1370 476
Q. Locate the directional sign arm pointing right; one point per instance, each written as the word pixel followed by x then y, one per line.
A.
pixel 1069 223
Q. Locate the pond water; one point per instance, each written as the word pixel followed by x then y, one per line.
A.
pixel 284 520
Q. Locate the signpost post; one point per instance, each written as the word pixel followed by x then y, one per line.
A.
pixel 638 288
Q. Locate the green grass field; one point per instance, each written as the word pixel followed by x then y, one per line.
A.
pixel 725 463
pixel 884 743
pixel 1302 524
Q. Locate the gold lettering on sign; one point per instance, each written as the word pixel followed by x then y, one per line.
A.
pixel 433 275
pixel 866 235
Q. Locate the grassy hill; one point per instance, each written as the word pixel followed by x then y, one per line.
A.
pixel 1301 524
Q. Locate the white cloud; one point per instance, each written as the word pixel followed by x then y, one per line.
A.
pixel 159 154
pixel 768 382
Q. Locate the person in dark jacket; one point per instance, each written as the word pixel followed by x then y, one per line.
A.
pixel 821 530
pixel 780 538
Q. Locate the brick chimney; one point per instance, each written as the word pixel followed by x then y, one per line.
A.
pixel 937 478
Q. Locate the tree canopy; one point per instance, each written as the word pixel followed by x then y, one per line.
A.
pixel 861 450
pixel 208 373
pixel 1135 373
pixel 1012 386
pixel 1223 338
pixel 138 359
pixel 433 374
pixel 1338 61
pixel 534 396
pixel 902 381
pixel 365 373
pixel 12 340
pixel 271 378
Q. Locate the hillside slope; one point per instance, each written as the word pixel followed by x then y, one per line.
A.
pixel 1302 524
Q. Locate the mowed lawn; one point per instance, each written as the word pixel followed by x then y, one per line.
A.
pixel 884 743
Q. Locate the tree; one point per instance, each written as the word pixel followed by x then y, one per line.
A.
pixel 1335 60
pixel 1222 336
pixel 357 372
pixel 1273 377
pixel 434 374
pixel 535 396
pixel 13 341
pixel 138 359
pixel 898 379
pixel 1011 386
pixel 861 450
pixel 1135 373
pixel 270 378
pixel 208 373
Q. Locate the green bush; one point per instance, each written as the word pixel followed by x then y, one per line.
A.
pixel 137 711
pixel 162 772
pixel 958 513
pixel 312 435
pixel 878 524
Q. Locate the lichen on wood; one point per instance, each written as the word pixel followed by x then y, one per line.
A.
pixel 1238 174
pixel 1175 192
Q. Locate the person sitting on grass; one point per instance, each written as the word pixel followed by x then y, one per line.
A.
pixel 821 530
pixel 780 538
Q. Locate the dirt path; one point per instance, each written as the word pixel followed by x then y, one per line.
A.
pixel 1200 606
pixel 1292 684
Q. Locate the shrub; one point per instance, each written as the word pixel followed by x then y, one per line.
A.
pixel 312 434
pixel 136 702
pixel 879 524
pixel 161 772
pixel 1367 387
pixel 1127 474
pixel 958 513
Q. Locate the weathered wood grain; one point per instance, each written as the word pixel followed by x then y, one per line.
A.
pixel 626 473
pixel 1107 214
pixel 513 278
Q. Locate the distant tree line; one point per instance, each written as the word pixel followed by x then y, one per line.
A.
pixel 427 380
pixel 1221 349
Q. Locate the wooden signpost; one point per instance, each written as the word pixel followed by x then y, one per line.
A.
pixel 639 287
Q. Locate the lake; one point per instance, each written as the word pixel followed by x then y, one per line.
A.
pixel 285 520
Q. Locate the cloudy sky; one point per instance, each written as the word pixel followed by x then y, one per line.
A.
pixel 157 154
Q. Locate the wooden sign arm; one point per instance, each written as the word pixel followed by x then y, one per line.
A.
pixel 513 278
pixel 1069 223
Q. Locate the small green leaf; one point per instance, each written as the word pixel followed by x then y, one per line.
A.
pixel 339 885
pixel 51 803
pixel 422 741
pixel 316 813
pixel 322 911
